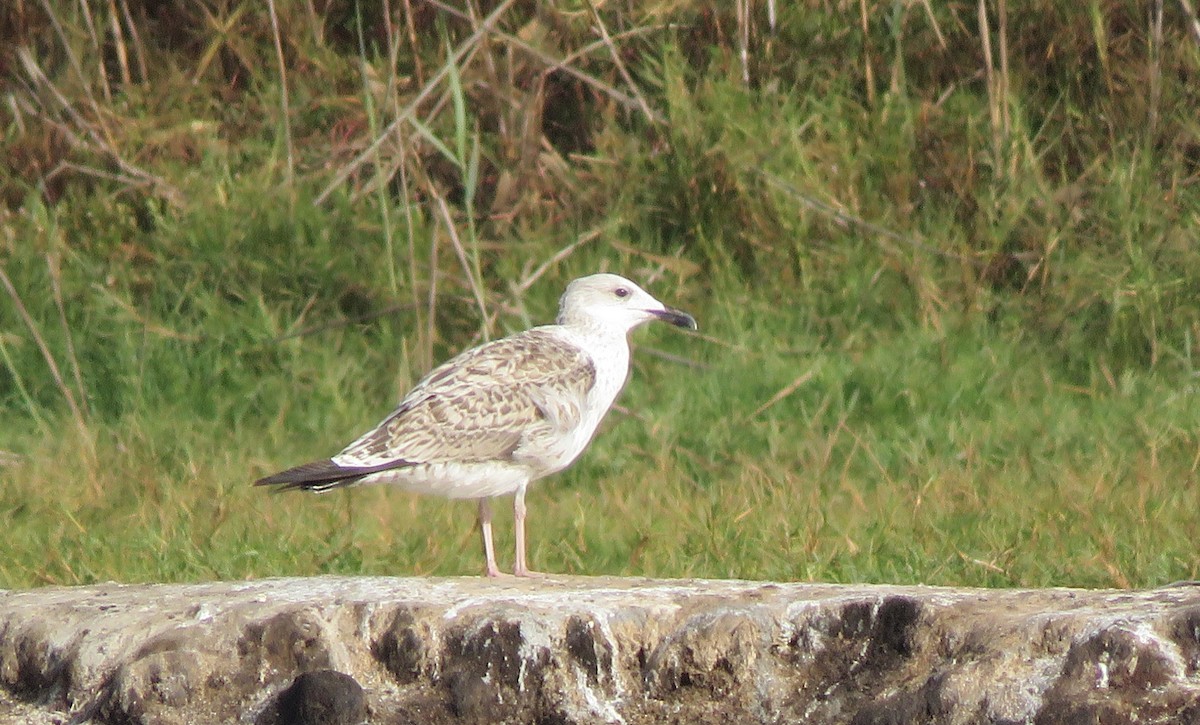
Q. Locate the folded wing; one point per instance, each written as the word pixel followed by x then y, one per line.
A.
pixel 482 405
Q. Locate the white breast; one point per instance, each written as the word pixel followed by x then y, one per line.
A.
pixel 610 356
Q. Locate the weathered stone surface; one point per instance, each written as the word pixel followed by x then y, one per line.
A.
pixel 346 650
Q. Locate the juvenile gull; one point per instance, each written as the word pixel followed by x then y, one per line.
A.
pixel 499 416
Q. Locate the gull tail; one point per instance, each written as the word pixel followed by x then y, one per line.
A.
pixel 324 475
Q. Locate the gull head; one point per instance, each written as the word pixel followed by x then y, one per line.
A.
pixel 613 303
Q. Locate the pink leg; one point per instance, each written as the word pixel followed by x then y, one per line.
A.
pixel 489 551
pixel 519 568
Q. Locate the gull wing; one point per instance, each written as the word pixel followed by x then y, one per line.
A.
pixel 324 475
pixel 483 404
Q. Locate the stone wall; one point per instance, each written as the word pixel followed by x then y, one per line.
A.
pixel 567 650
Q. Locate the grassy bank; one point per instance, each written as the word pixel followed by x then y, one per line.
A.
pixel 945 263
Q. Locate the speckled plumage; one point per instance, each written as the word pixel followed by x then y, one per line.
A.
pixel 491 403
pixel 499 416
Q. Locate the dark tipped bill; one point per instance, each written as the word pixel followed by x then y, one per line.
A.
pixel 677 318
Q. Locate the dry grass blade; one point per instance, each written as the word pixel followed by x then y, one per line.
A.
pixel 990 566
pixel 740 349
pixel 1155 70
pixel 71 57
pixel 381 175
pixel 31 325
pixel 552 64
pixel 54 267
pixel 743 23
pixel 686 362
pixel 860 444
pixel 989 66
pixel 114 20
pixel 19 384
pixel 616 58
pixel 225 36
pixel 86 136
pixel 1193 20
pixel 86 12
pixel 937 29
pixel 410 226
pixel 65 166
pixel 1002 41
pixel 139 50
pixel 675 263
pixel 336 324
pixel 283 94
pixel 149 326
pixel 585 50
pixel 475 283
pixel 431 314
pixel 847 218
pixel 489 57
pixel 868 66
pixel 783 393
pixel 528 281
pixel 418 66
pixel 451 63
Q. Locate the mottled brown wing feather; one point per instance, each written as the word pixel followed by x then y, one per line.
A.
pixel 483 404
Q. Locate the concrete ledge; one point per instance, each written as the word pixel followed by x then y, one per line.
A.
pixel 567 650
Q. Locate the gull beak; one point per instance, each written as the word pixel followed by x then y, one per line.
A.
pixel 677 318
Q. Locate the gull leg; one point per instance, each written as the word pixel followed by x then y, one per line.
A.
pixel 489 551
pixel 519 567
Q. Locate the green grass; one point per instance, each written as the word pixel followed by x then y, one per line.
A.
pixel 935 347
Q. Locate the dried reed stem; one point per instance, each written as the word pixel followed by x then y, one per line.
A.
pixel 418 66
pixel 743 22
pixel 459 52
pixel 86 11
pixel 20 384
pixel 1002 81
pixel 283 94
pixel 868 71
pixel 431 316
pixel 114 20
pixel 616 58
pixel 475 284
pixel 557 257
pixel 781 394
pixel 82 134
pixel 847 218
pixel 411 228
pixel 31 325
pixel 138 49
pixel 937 29
pixel 989 67
pixel 1156 43
pixel 564 64
pixel 1193 21
pixel 54 267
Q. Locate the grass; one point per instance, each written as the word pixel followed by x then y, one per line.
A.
pixel 948 289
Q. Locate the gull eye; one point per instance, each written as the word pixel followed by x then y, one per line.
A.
pixel 621 292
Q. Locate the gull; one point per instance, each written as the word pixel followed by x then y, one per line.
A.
pixel 502 415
